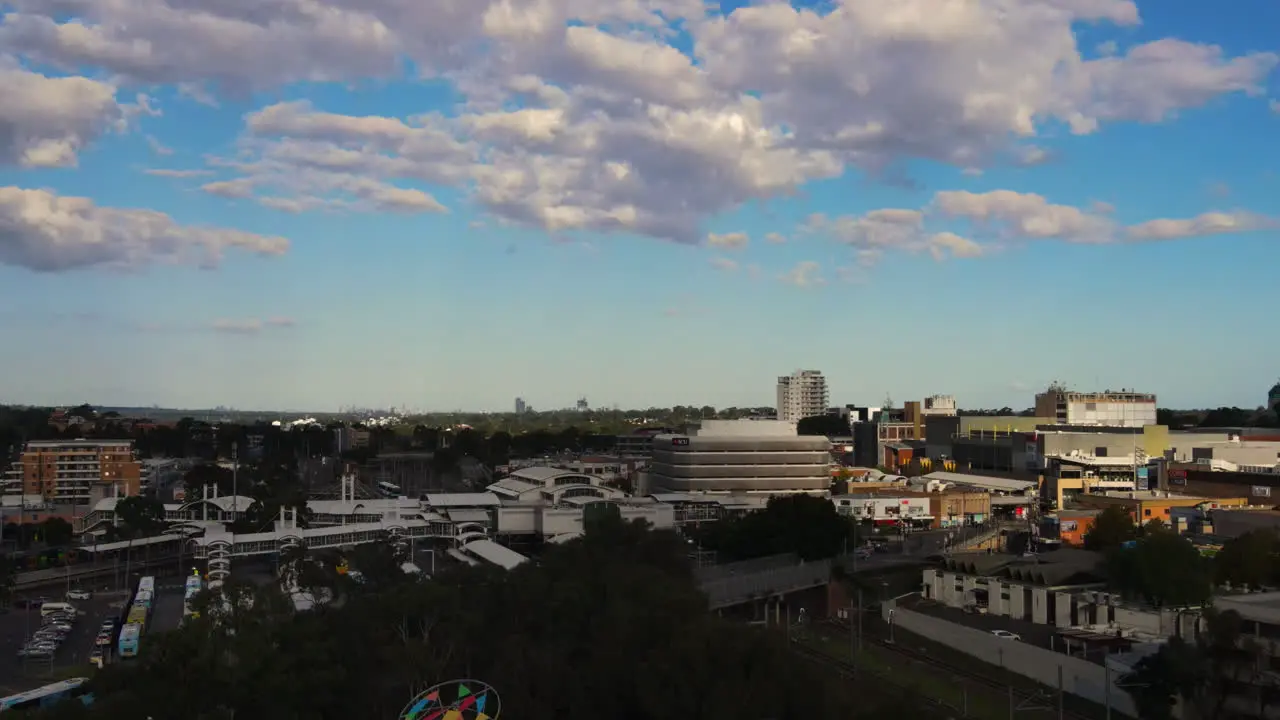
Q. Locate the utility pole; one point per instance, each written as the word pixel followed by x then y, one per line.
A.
pixel 859 619
pixel 1062 710
pixel 1107 688
pixel 853 644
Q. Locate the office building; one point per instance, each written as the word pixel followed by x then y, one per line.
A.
pixel 802 394
pixel 741 456
pixel 938 405
pixel 75 472
pixel 1107 409
pixel 520 406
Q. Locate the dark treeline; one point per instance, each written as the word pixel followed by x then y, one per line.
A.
pixel 608 626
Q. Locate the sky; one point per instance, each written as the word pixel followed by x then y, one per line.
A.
pixel 447 204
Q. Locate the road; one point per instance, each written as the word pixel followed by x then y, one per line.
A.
pixel 72 658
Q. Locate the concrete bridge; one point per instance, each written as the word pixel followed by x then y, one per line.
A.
pixel 781 575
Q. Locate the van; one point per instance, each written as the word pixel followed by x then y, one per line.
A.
pixel 50 608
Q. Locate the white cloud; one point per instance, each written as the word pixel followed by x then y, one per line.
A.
pixel 585 115
pixel 806 273
pixel 1210 223
pixel 728 241
pixel 882 79
pixel 250 326
pixel 45 232
pixel 45 122
pixel 1025 215
pixel 172 173
pixel 157 147
pixel 724 263
pixel 1275 106
pixel 1003 216
pixel 775 238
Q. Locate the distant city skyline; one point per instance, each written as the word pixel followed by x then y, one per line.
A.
pixel 1027 402
pixel 219 203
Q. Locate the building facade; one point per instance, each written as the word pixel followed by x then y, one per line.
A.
pixel 1107 409
pixel 75 472
pixel 743 456
pixel 802 394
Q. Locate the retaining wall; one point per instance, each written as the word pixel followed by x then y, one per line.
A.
pixel 1079 677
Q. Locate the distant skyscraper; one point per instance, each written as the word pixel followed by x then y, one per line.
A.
pixel 521 407
pixel 801 394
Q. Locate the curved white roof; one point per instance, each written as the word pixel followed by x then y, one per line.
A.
pixel 226 503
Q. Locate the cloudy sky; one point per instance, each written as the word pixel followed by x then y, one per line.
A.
pixel 450 203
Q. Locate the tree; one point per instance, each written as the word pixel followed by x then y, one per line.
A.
pixel 608 625
pixel 1111 528
pixel 8 576
pixel 1219 665
pixel 1161 568
pixel 1248 561
pixel 802 524
pixel 141 516
pixel 208 474
pixel 56 531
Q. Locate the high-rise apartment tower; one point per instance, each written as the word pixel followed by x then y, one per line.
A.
pixel 801 394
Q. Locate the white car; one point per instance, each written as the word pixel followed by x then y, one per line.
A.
pixel 1006 635
pixel 79 595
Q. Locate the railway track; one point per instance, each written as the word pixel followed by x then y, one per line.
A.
pixel 976 678
pixel 849 670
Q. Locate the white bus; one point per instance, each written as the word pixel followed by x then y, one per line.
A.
pixel 193 588
pixel 388 489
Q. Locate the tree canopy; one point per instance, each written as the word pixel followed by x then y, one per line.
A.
pixel 1111 528
pixel 1249 561
pixel 1161 568
pixel 802 524
pixel 610 625
pixel 1221 664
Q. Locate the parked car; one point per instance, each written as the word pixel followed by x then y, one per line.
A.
pixel 1006 635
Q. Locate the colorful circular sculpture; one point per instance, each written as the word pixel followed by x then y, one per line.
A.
pixel 454 700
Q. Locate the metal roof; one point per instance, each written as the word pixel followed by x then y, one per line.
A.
pixel 467 515
pixel 463 500
pixel 983 481
pixel 492 552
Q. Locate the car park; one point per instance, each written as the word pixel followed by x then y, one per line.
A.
pixel 55 628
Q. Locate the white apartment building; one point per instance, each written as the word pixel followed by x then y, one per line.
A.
pixel 1105 409
pixel 802 394
pixel 939 405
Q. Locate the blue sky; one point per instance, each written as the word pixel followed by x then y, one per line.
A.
pixel 449 206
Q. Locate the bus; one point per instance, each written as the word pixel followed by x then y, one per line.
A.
pixel 48 695
pixel 147 584
pixel 387 489
pixel 129 636
pixel 137 616
pixel 194 586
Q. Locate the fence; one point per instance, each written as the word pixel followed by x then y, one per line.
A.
pixel 1079 677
